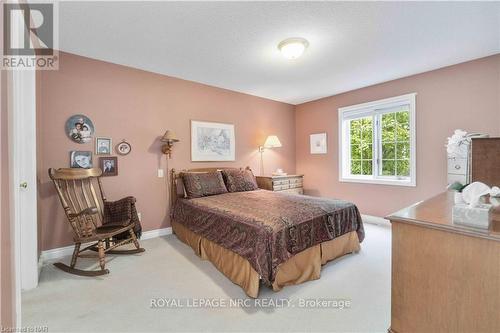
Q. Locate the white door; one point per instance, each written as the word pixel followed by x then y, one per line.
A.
pixel 22 151
pixel 24 175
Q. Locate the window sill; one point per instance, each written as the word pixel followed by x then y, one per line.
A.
pixel 407 183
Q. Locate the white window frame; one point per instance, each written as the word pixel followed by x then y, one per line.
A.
pixel 376 109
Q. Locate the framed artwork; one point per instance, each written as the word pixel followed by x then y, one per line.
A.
pixel 318 143
pixel 211 142
pixel 80 159
pixel 80 128
pixel 109 165
pixel 103 146
pixel 123 148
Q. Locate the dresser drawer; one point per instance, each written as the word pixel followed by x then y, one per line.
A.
pixel 281 187
pixel 457 166
pixel 452 178
pixel 281 182
pixel 289 183
pixel 294 191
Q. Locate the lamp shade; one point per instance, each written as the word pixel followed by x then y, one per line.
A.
pixel 169 136
pixel 272 141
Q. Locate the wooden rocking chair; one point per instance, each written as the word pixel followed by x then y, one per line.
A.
pixel 92 218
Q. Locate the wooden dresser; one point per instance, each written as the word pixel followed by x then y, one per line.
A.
pixel 288 183
pixel 445 277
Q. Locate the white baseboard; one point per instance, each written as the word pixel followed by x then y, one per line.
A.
pixel 68 250
pixel 375 220
pixel 156 233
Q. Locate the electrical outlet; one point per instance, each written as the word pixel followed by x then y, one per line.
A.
pixel 161 173
pixel 139 215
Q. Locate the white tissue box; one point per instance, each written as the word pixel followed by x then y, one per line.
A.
pixel 479 217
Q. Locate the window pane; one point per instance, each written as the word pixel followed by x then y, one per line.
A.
pixel 403 126
pixel 396 144
pixel 355 167
pixel 355 152
pixel 403 117
pixel 388 167
pixel 366 151
pixel 403 150
pixel 361 145
pixel 403 168
pixel 388 127
pixel 355 127
pixel 388 151
pixel 367 130
pixel 367 167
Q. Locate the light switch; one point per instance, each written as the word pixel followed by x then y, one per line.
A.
pixel 161 173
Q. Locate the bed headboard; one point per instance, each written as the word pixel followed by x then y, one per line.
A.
pixel 177 187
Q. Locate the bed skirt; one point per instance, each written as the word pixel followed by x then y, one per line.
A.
pixel 302 267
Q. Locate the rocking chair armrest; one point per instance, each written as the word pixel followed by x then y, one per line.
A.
pixel 86 211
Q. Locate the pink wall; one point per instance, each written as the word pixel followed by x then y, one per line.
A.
pixel 126 103
pixel 462 96
pixel 131 104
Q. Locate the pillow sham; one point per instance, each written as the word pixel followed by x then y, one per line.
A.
pixel 202 184
pixel 239 180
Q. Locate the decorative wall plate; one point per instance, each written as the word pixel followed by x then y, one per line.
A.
pixel 123 148
pixel 80 128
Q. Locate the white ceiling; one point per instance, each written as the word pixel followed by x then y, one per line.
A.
pixel 233 45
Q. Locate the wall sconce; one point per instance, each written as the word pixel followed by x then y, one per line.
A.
pixel 169 138
pixel 272 141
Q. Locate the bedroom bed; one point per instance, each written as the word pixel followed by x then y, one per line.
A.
pixel 254 235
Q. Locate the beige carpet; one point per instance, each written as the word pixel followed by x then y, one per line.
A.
pixel 121 301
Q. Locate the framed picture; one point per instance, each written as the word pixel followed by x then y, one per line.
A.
pixel 123 148
pixel 79 128
pixel 103 146
pixel 212 142
pixel 109 165
pixel 318 143
pixel 80 159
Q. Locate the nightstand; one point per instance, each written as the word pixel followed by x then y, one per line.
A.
pixel 288 183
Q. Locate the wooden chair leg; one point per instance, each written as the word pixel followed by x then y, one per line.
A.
pixel 134 238
pixel 75 254
pixel 100 247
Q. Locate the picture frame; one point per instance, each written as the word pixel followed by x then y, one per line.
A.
pixel 318 143
pixel 212 141
pixel 80 159
pixel 103 146
pixel 108 165
pixel 79 128
pixel 123 148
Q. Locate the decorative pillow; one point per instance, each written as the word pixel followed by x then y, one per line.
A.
pixel 202 184
pixel 239 180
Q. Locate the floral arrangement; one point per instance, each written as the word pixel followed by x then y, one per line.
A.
pixel 458 144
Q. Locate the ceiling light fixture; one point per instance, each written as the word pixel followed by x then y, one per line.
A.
pixel 293 48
